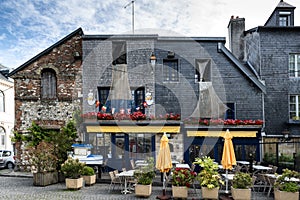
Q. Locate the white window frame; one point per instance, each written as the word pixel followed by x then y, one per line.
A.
pixel 293 70
pixel 297 107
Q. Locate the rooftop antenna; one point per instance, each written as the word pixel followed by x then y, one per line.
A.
pixel 132 6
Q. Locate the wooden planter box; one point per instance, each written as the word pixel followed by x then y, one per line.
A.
pixel 241 194
pixel 44 179
pixel 179 191
pixel 281 195
pixel 74 183
pixel 143 190
pixel 89 180
pixel 210 193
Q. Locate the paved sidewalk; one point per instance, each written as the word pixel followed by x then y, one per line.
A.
pixel 19 185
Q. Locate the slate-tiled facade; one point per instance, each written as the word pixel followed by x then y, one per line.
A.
pixel 267 49
pixel 230 83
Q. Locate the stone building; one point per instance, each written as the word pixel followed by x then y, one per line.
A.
pixel 48 87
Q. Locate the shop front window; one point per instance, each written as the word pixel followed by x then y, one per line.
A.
pixel 140 146
pixel 101 144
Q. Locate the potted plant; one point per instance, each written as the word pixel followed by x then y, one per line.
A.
pixel 241 184
pixel 208 177
pixel 72 170
pixel 182 178
pixel 43 162
pixel 145 176
pixel 88 175
pixel 285 186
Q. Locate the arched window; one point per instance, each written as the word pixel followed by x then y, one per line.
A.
pixel 48 84
pixel 2 102
pixel 2 136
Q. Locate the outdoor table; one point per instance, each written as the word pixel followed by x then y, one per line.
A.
pixel 229 176
pixel 243 162
pixel 126 175
pixel 186 166
pixel 271 175
pixel 286 179
pixel 141 163
pixel 261 168
pixel 174 162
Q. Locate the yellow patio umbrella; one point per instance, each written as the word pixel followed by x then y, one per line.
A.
pixel 164 161
pixel 228 156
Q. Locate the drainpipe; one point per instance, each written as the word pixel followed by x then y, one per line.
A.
pixel 263 127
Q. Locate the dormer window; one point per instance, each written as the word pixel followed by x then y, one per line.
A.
pixel 284 18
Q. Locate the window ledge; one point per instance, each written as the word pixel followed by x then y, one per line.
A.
pixel 294 122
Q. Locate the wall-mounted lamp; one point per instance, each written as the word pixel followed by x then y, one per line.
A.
pixel 286 133
pixel 153 60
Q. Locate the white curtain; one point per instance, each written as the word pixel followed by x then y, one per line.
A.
pixel 209 104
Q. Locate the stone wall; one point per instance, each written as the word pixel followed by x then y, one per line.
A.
pixel 29 106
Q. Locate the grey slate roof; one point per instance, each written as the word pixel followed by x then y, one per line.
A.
pixel 246 71
pixel 283 4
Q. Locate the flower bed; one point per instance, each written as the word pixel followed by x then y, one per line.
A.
pixel 208 122
pixel 137 116
pixel 183 177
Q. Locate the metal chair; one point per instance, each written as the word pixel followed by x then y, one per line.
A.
pixel 114 180
pixel 270 184
pixel 260 183
pixel 274 169
pixel 132 164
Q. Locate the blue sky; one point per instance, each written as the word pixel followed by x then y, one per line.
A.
pixel 30 26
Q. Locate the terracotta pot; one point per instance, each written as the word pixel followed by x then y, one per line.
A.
pixel 241 194
pixel 282 195
pixel 74 183
pixel 143 190
pixel 210 193
pixel 179 191
pixel 45 178
pixel 89 180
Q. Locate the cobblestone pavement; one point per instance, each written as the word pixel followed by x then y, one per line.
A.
pixel 21 187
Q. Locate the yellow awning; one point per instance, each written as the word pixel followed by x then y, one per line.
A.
pixel 133 129
pixel 211 133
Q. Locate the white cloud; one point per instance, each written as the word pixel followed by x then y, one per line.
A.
pixel 30 26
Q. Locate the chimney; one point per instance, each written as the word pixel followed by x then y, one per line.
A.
pixel 236 28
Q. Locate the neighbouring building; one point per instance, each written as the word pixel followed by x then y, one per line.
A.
pixel 48 87
pixel 272 51
pixel 7 116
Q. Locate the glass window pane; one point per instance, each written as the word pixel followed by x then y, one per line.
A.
pixel 170 70
pixel 140 146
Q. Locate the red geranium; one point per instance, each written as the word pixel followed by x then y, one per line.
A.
pixel 183 177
